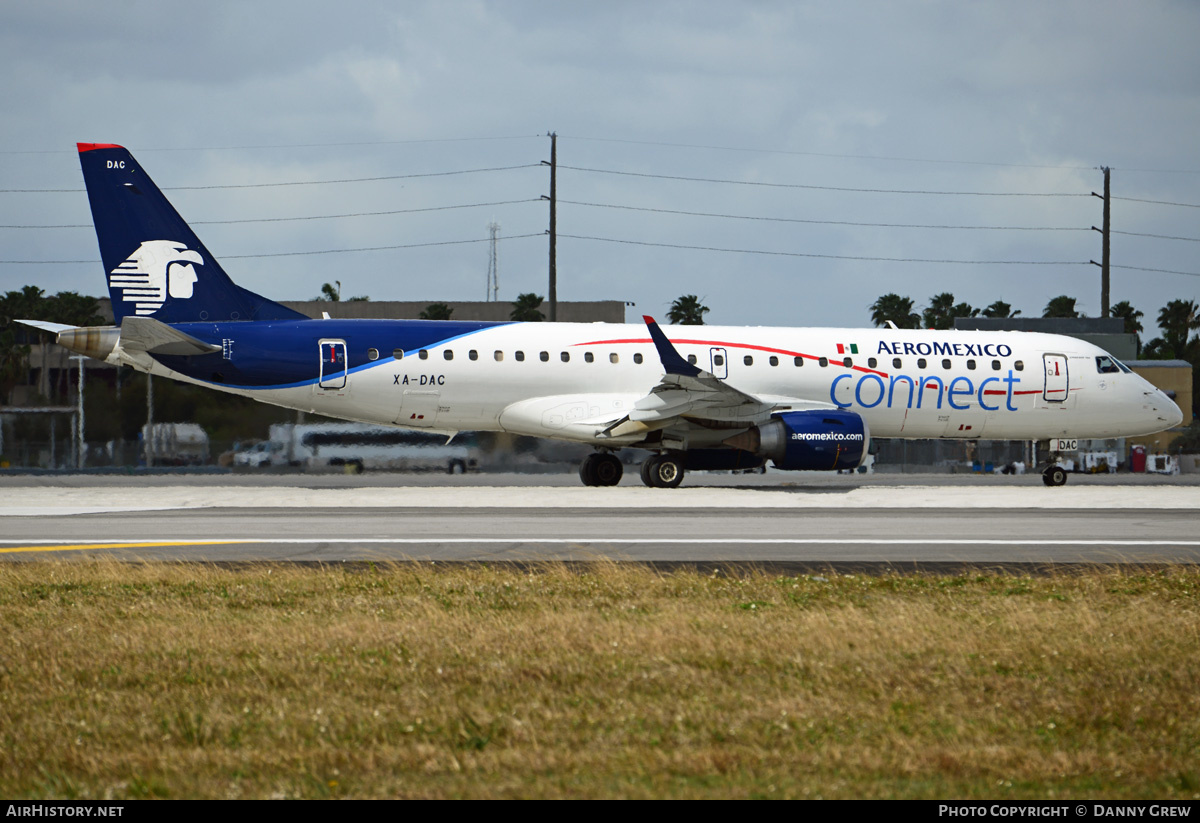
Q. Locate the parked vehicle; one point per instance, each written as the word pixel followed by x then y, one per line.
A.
pixel 359 447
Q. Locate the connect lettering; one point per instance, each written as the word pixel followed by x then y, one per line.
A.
pixel 870 391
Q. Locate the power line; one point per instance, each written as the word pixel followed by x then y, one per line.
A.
pixel 299 182
pixel 794 152
pixel 1156 236
pixel 820 222
pixel 302 253
pixel 298 145
pixel 308 217
pixel 823 188
pixel 832 256
pixel 1162 271
pixel 1158 202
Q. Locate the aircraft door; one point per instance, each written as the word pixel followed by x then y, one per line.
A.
pixel 719 362
pixel 332 364
pixel 1057 385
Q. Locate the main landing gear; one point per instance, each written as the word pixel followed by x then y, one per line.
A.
pixel 662 471
pixel 1054 476
pixel 601 469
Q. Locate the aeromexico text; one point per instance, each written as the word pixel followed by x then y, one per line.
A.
pixel 948 349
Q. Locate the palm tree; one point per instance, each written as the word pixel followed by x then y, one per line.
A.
pixel 1000 309
pixel 1177 319
pixel 1061 306
pixel 329 293
pixel 940 314
pixel 437 311
pixel 1131 317
pixel 525 308
pixel 897 309
pixel 687 310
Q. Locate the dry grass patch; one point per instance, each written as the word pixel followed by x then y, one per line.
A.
pixel 415 681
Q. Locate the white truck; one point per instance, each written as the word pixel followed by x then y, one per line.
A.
pixel 174 444
pixel 357 447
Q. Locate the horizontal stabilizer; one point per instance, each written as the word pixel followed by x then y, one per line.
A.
pixel 149 335
pixel 41 325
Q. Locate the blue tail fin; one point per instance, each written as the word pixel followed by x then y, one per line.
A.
pixel 156 265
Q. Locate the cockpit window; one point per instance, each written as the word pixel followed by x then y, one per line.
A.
pixel 1107 364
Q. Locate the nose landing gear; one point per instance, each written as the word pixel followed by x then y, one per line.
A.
pixel 1054 476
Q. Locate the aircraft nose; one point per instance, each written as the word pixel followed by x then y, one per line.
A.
pixel 1165 412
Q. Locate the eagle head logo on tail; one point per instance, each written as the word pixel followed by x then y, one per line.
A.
pixel 157 268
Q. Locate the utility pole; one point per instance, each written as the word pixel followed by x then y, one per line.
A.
pixel 492 293
pixel 1103 264
pixel 148 437
pixel 81 454
pixel 553 226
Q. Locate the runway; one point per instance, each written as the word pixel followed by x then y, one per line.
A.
pixel 916 522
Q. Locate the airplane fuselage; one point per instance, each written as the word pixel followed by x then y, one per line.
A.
pixel 566 380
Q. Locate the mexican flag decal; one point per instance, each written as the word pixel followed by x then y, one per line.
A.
pixel 848 348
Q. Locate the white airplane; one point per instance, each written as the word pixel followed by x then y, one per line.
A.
pixel 701 397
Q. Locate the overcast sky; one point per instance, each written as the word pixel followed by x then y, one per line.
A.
pixel 811 98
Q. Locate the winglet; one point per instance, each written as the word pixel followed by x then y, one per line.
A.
pixel 672 361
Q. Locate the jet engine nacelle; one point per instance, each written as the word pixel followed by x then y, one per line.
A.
pixel 94 341
pixel 809 440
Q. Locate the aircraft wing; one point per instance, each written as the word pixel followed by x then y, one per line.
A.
pixel 687 391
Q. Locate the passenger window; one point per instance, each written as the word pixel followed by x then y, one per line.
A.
pixel 448 354
pixel 1019 365
pixel 565 357
pixel 748 360
pixel 872 362
pixel 718 360
pixel 473 355
pixel 588 357
pixel 799 361
pixel 499 355
pixel 970 365
pixel 896 363
pixel 372 354
pixel 920 362
pixel 545 356
pixel 423 354
pixel 613 358
pixel 823 362
pixel 637 358
pixel 774 361
pixel 848 363
pixel 692 359
pixel 520 356
pixel 398 354
pixel 995 365
pixel 946 363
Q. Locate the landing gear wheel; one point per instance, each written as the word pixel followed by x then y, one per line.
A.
pixel 1055 476
pixel 587 471
pixel 600 469
pixel 607 469
pixel 662 471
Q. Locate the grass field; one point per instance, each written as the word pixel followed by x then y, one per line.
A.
pixel 130 681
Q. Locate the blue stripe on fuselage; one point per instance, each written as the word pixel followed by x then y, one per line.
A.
pixel 278 355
